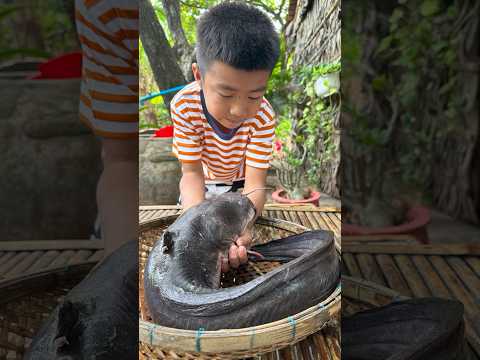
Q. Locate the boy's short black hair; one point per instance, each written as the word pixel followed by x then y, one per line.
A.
pixel 238 35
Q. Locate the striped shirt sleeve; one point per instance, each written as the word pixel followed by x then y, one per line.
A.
pixel 186 141
pixel 108 33
pixel 260 148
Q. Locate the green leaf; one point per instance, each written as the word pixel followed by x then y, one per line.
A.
pixel 450 56
pixel 429 7
pixel 6 10
pixel 158 100
pixel 397 14
pixel 379 83
pixel 384 44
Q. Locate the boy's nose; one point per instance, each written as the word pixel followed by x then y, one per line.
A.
pixel 238 112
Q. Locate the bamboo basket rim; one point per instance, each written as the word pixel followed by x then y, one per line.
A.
pixel 261 220
pixel 255 339
pixel 34 281
pixel 369 292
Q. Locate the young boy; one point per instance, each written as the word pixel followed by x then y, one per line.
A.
pixel 223 126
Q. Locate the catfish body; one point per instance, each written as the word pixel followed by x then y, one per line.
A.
pixel 181 279
pixel 415 329
pixel 98 318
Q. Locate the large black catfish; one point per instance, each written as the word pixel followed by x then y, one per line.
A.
pixel 182 274
pixel 98 319
pixel 416 329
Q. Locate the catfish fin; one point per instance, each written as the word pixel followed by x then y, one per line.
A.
pixel 289 248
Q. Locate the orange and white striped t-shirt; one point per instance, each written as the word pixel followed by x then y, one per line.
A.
pixel 108 33
pixel 223 159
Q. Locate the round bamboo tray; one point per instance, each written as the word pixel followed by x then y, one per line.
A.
pixel 359 295
pixel 159 342
pixel 26 302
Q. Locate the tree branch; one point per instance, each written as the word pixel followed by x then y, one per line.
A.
pixel 182 47
pixel 160 55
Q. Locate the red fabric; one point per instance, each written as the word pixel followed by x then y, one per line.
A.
pixel 67 66
pixel 164 132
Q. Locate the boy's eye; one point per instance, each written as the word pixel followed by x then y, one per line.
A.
pixel 226 96
pixel 254 98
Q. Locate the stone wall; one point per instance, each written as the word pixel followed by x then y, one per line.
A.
pixel 159 173
pixel 49 162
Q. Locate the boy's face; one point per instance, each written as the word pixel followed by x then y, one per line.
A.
pixel 232 95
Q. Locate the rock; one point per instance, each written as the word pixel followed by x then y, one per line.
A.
pixel 159 172
pixel 47 129
pixel 50 162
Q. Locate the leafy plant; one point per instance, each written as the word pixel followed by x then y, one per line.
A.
pixel 408 101
pixel 304 133
pixel 53 30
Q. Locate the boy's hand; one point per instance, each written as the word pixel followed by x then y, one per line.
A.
pixel 238 252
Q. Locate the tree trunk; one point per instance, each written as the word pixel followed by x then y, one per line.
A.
pixel 27 31
pixel 182 48
pixel 160 55
pixel 314 33
pixel 456 180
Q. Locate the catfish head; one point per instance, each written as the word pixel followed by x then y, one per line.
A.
pixel 211 225
pixel 227 217
pixel 198 239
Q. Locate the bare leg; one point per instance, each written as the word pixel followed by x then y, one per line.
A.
pixel 117 192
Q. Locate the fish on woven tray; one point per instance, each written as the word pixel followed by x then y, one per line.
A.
pixel 415 329
pixel 182 274
pixel 98 318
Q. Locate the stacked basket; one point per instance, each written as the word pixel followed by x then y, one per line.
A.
pixel 28 300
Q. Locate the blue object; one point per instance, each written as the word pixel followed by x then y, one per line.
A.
pixel 152 329
pixel 197 339
pixel 161 92
pixel 292 322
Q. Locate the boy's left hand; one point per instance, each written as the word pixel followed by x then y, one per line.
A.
pixel 238 252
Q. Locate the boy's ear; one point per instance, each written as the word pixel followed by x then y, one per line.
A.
pixel 196 72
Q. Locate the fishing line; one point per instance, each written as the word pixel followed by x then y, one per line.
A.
pixel 251 191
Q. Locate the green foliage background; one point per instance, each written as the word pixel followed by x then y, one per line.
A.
pixel 55 24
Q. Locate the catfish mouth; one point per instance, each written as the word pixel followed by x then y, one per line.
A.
pixel 247 223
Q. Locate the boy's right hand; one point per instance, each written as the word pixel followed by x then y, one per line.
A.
pixel 238 252
pixel 236 255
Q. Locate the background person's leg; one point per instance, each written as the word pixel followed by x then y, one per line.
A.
pixel 117 192
pixel 109 106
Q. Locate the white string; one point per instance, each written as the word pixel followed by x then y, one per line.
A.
pixel 251 191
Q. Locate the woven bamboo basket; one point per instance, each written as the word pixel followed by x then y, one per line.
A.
pixel 26 302
pixel 159 342
pixel 359 295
